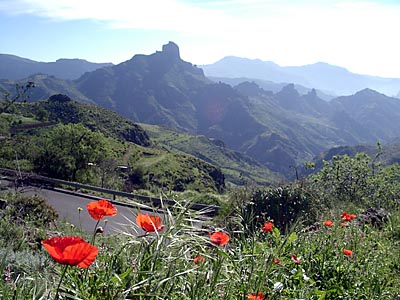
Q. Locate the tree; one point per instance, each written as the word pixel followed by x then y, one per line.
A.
pixel 68 151
pixel 21 94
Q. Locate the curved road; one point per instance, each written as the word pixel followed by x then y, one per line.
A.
pixel 67 204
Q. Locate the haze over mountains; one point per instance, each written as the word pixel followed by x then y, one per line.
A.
pixel 278 128
pixel 331 79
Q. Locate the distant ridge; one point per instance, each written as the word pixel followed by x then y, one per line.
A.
pixel 13 67
pixel 322 76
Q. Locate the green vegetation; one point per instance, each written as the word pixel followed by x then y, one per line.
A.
pixel 238 168
pixel 340 255
pixel 77 142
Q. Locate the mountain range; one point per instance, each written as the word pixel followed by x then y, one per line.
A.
pixel 278 129
pixel 330 79
pixel 14 67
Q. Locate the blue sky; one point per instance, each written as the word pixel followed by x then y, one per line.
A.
pixel 360 35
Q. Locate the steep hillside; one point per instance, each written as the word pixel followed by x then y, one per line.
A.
pixel 149 167
pixel 375 111
pixel 155 89
pixel 61 108
pixel 238 168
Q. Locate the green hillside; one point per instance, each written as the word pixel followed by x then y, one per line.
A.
pixel 86 143
pixel 237 167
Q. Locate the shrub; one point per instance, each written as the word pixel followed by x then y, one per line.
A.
pixel 284 205
pixel 359 180
pixel 32 209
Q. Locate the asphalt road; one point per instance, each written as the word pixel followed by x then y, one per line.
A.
pixel 67 204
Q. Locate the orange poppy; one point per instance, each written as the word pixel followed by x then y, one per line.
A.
pixel 71 250
pixel 149 223
pixel 99 209
pixel 198 259
pixel 257 296
pixel 219 238
pixel 267 227
pixel 347 252
pixel 328 223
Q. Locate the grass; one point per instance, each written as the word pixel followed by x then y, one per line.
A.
pixel 160 265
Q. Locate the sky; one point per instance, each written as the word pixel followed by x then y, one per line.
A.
pixel 359 35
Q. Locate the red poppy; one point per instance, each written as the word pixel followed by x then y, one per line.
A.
pixel 328 223
pixel 99 209
pixel 295 259
pixel 71 250
pixel 277 261
pixel 149 223
pixel 352 216
pixel 198 259
pixel 257 296
pixel 347 252
pixel 347 217
pixel 219 238
pixel 267 227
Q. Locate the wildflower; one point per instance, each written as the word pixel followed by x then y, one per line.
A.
pixel 277 261
pixel 267 227
pixel 344 224
pixel 295 259
pixel 347 252
pixel 256 296
pixel 347 217
pixel 219 238
pixel 71 250
pixel 99 209
pixel 328 223
pixel 278 286
pixel 149 223
pixel 8 274
pixel 198 259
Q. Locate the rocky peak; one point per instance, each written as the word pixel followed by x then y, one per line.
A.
pixel 288 91
pixel 171 49
pixel 312 93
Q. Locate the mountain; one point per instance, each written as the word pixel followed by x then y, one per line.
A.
pixel 376 112
pixel 278 129
pixel 321 76
pixel 271 86
pixel 14 67
pixel 45 87
pixel 162 89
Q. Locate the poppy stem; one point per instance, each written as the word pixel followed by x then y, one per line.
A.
pixel 94 232
pixel 59 283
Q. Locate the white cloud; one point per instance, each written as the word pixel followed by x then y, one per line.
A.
pixel 360 35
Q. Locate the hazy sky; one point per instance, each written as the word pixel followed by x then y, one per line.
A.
pixel 362 36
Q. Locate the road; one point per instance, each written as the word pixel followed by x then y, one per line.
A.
pixel 67 204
